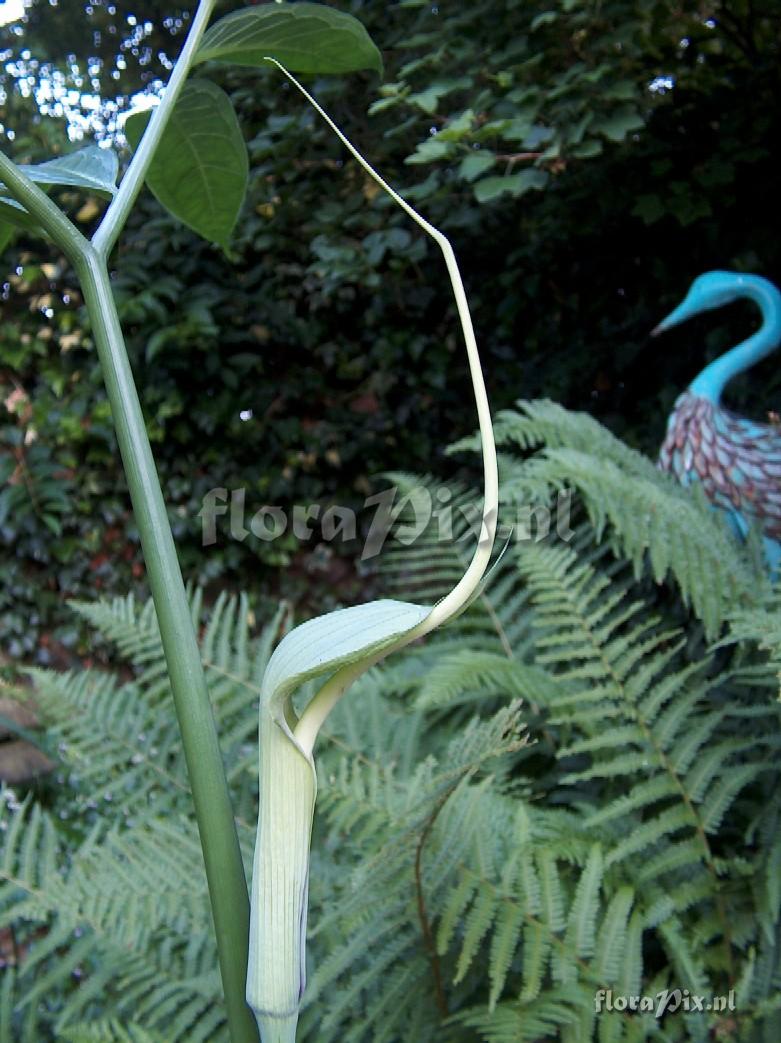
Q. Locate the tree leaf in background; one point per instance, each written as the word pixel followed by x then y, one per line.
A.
pixel 200 169
pixel 515 184
pixel 308 38
pixel 475 164
pixel 619 124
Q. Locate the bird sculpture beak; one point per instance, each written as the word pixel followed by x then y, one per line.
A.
pixel 685 310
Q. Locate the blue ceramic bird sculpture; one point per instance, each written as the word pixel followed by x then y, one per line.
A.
pixel 738 461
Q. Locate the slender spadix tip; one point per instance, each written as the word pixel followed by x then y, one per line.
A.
pixel 657 330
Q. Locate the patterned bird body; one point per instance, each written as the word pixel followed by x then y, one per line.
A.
pixel 737 461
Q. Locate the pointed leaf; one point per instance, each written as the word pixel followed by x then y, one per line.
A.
pixel 200 169
pixel 93 168
pixel 309 38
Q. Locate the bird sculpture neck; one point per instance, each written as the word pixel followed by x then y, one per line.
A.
pixel 711 382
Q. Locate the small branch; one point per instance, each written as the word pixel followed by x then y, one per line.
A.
pixel 517 157
pixel 425 926
pixel 117 214
pixel 27 480
pixel 14 945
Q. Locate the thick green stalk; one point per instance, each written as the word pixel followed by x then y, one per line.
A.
pixel 219 841
pixel 222 856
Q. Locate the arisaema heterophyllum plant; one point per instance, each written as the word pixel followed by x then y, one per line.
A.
pixel 343 645
pixel 191 153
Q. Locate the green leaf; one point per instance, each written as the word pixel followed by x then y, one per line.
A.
pixel 15 214
pixel 515 184
pixel 650 208
pixel 6 233
pixel 617 127
pixel 429 151
pixel 477 163
pixel 309 38
pixel 623 90
pixel 458 126
pixel 586 149
pixel 537 135
pixel 53 523
pixel 200 169
pixel 428 99
pixel 93 168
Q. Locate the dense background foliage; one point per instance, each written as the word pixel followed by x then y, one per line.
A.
pixel 588 159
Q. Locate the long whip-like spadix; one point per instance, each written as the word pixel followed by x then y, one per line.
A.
pixel 342 644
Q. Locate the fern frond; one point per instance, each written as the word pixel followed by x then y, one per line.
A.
pixel 581 928
pixel 465 675
pixel 229 660
pixel 121 748
pixel 541 1018
pixel 653 521
pixel 464 885
pixel 132 628
pixel 110 1031
pixel 159 869
pixel 612 937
